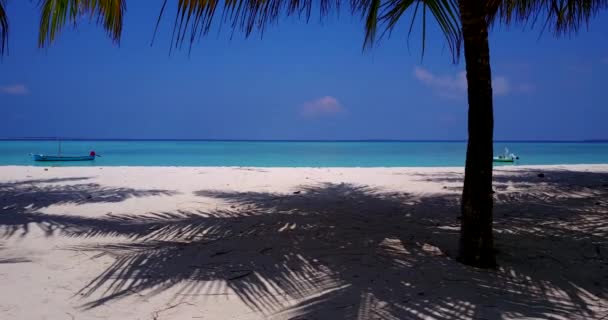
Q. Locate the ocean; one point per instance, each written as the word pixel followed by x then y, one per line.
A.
pixel 294 153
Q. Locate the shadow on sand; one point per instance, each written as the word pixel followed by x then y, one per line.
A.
pixel 8 259
pixel 20 202
pixel 343 251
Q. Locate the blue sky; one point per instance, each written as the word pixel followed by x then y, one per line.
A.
pixel 297 82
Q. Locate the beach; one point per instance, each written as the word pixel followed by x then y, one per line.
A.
pixel 297 243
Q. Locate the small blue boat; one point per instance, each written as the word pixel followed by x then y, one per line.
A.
pixel 41 157
pixel 59 157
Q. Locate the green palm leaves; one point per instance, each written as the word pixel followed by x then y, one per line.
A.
pixel 56 13
pixel 389 13
pixel 561 16
pixel 194 18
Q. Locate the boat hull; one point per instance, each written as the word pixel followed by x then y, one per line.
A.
pixel 40 157
pixel 507 160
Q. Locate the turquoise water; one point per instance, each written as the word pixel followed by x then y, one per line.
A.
pixel 293 154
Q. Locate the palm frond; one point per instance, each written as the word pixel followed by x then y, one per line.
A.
pixel 561 16
pixel 388 13
pixel 56 13
pixel 3 29
pixel 194 17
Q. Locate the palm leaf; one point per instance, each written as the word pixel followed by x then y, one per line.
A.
pixel 389 13
pixel 562 16
pixel 3 29
pixel 194 17
pixel 56 13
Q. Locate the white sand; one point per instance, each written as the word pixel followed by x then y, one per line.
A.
pixel 285 243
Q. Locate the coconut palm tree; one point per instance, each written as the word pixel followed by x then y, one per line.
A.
pixel 476 239
pixel 463 23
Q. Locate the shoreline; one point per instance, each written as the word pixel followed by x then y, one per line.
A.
pixel 501 166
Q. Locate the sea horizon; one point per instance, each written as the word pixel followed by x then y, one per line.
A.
pixel 289 153
pixel 298 140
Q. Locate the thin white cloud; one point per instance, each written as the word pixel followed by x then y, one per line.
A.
pixel 446 85
pixel 500 86
pixel 15 89
pixel 455 86
pixel 323 106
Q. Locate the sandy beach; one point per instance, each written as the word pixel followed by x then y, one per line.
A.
pixel 306 243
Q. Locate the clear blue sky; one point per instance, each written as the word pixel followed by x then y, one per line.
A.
pixel 298 82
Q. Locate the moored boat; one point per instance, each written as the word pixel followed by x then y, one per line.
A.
pixel 506 157
pixel 41 157
pixel 59 157
pixel 503 159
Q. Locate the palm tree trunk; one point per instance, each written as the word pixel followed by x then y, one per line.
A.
pixel 476 239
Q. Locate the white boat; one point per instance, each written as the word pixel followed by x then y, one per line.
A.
pixel 506 157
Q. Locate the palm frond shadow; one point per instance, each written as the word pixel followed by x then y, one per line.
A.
pixel 21 201
pixel 4 259
pixel 348 251
pixel 13 260
pixel 556 181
